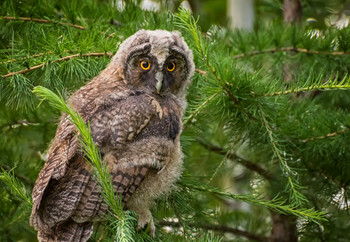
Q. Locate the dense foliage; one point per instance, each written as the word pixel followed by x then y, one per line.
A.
pixel 265 135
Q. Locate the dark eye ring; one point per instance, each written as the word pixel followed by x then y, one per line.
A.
pixel 145 65
pixel 170 66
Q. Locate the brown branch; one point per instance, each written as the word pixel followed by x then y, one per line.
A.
pixel 24 58
pixel 42 21
pixel 246 163
pixel 31 56
pixel 217 228
pixel 325 136
pixel 55 61
pixel 203 73
pixel 290 49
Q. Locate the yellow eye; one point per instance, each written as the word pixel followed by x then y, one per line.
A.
pixel 170 66
pixel 145 65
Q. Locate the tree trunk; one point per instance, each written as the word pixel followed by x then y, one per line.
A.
pixel 292 11
pixel 241 14
pixel 283 228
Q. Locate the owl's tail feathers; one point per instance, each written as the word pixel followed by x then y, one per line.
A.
pixel 69 231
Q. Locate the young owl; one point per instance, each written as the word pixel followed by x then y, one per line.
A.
pixel 134 107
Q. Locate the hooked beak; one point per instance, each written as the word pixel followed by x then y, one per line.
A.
pixel 159 78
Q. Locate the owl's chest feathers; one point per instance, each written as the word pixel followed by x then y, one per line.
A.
pixel 165 122
pixel 140 116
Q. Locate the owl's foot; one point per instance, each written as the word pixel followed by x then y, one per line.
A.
pixel 146 223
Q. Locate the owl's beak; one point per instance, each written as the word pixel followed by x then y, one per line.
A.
pixel 159 78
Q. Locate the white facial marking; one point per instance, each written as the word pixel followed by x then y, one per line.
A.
pixel 160 42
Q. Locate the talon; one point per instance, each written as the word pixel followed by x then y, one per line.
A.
pixel 147 226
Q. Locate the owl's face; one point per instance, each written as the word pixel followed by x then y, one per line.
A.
pixel 157 61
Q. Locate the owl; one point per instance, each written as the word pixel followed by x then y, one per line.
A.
pixel 135 108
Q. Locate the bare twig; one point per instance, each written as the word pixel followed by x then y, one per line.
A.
pixel 55 61
pixel 45 21
pixel 31 56
pixel 306 89
pixel 232 156
pixel 290 49
pixel 204 73
pixel 24 58
pixel 218 228
pixel 325 136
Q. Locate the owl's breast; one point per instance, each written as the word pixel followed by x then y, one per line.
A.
pixel 164 123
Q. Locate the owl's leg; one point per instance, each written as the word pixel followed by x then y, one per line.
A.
pixel 145 220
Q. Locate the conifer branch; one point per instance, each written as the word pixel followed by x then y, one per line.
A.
pixel 17 188
pixel 325 136
pixel 195 112
pixel 23 178
pixel 203 73
pixel 311 88
pixel 45 21
pixel 232 156
pixel 296 197
pixel 275 204
pixel 55 61
pixel 31 56
pixel 217 228
pixel 290 49
pixel 185 20
pixel 311 167
pixel 24 58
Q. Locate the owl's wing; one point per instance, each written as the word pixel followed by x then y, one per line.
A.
pixel 114 122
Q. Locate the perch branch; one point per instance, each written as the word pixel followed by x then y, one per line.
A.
pixel 246 163
pixel 55 61
pixel 290 49
pixel 45 21
pixel 325 136
pixel 31 56
pixel 218 228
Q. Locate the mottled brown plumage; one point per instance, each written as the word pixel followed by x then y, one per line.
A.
pixel 135 107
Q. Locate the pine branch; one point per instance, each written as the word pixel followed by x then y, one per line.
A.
pixel 290 49
pixel 311 88
pixel 232 156
pixel 296 197
pixel 325 136
pixel 55 61
pixel 18 123
pixel 217 228
pixel 23 178
pixel 199 108
pixel 312 168
pixel 17 188
pixel 29 57
pixel 186 21
pixel 45 21
pixel 203 73
pixel 275 204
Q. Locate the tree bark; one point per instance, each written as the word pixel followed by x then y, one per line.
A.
pixel 292 11
pixel 241 14
pixel 283 228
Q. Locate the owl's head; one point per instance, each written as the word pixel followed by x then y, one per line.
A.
pixel 157 61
